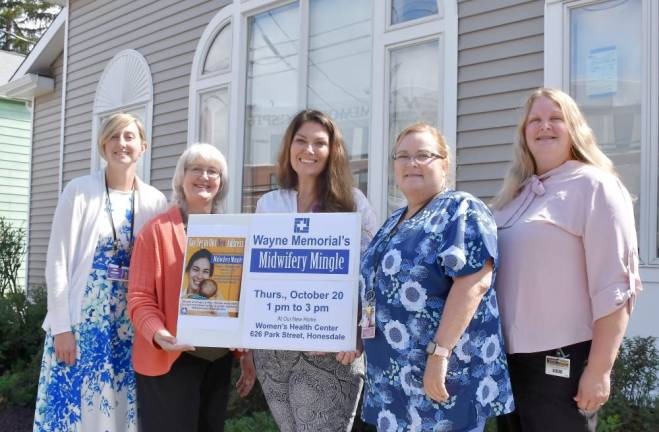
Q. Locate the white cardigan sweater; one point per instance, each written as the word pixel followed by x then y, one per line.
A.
pixel 73 240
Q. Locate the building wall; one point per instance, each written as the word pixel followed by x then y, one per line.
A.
pixel 45 174
pixel 166 33
pixel 14 160
pixel 15 125
pixel 500 60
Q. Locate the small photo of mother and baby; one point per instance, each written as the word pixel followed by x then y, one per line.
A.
pixel 212 277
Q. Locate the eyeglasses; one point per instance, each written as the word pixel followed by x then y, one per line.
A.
pixel 421 157
pixel 198 171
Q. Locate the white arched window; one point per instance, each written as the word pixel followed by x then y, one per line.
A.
pixel 372 65
pixel 210 85
pixel 125 86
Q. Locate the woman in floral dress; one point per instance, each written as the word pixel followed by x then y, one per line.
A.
pixel 87 382
pixel 435 357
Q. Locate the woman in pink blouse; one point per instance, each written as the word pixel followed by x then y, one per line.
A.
pixel 568 268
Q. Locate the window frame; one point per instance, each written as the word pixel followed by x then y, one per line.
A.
pixel 104 106
pixel 410 23
pixel 557 74
pixel 384 37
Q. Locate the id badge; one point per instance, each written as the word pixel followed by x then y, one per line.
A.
pixel 368 322
pixel 557 366
pixel 117 273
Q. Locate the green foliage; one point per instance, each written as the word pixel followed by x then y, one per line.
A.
pixel 257 422
pixel 21 337
pixel 23 22
pixel 254 402
pixel 12 252
pixel 633 405
pixel 491 425
pixel 18 387
pixel 21 344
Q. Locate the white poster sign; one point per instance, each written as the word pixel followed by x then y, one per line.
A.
pixel 271 281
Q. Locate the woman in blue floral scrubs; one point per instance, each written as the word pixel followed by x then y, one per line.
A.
pixel 435 356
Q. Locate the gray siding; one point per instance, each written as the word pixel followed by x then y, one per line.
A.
pixel 45 174
pixel 166 33
pixel 500 60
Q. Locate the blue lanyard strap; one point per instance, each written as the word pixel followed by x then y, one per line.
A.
pixel 108 209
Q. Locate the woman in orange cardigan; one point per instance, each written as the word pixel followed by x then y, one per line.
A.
pixel 179 387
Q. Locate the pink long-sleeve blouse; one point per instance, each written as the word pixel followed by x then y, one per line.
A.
pixel 568 256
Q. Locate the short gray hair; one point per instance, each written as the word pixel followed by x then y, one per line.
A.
pixel 210 154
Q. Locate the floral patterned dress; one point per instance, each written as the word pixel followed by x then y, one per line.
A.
pixel 409 272
pixel 98 392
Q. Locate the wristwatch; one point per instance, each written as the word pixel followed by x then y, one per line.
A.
pixel 433 349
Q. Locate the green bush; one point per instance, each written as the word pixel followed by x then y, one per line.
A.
pixel 21 345
pixel 12 252
pixel 243 407
pixel 21 337
pixel 257 422
pixel 633 405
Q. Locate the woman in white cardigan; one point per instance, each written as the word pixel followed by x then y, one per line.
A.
pixel 87 381
pixel 310 391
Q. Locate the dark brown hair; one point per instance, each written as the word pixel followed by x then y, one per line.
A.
pixel 335 182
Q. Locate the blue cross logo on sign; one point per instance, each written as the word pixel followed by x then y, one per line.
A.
pixel 301 225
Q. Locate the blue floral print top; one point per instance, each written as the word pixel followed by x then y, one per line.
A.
pixel 410 272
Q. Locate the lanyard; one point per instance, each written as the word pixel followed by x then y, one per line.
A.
pixel 401 220
pixel 108 209
pixel 369 295
pixel 369 292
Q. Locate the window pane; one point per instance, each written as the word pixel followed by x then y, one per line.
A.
pixel 271 95
pixel 605 80
pixel 407 10
pixel 340 73
pixel 414 95
pixel 215 119
pixel 219 54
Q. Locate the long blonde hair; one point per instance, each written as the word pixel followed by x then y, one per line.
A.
pixel 584 147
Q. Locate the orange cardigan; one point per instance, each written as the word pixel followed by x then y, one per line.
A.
pixel 154 287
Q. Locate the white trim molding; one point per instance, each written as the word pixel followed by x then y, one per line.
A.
pixel 65 73
pixel 199 83
pixel 125 85
pixel 27 87
pixel 47 49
